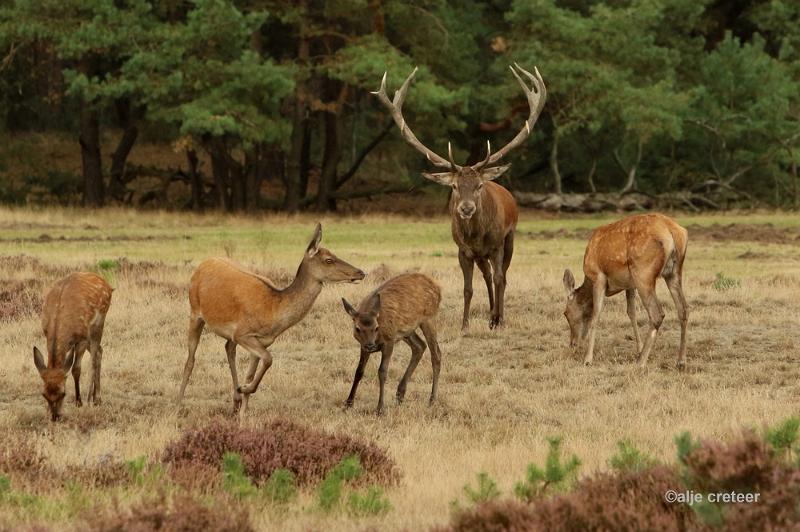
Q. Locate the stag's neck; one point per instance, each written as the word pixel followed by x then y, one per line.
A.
pixel 298 298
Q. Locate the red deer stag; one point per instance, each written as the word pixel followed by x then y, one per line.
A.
pixel 73 316
pixel 394 311
pixel 247 309
pixel 483 213
pixel 629 255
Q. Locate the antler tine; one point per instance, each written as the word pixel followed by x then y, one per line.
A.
pixel 536 97
pixel 481 164
pixel 450 156
pixel 396 108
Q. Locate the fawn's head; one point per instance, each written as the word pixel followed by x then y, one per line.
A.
pixel 326 267
pixel 579 308
pixel 55 380
pixel 365 323
pixel 467 184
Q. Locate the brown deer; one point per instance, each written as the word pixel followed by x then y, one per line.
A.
pixel 247 309
pixel 73 316
pixel 630 254
pixel 483 213
pixel 393 312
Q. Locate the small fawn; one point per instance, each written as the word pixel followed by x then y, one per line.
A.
pixel 629 255
pixel 73 316
pixel 393 312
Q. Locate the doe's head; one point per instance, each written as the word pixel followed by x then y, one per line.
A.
pixel 54 380
pixel 327 267
pixel 365 323
pixel 578 311
pixel 467 184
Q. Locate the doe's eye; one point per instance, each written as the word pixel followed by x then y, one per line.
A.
pixel 329 261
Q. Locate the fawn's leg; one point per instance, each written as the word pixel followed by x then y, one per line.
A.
pixel 76 372
pixel 417 350
pixel 362 363
pixel 630 296
pixel 383 371
pixel 429 330
pixel 598 296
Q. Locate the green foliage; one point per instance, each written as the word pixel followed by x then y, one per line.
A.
pixel 685 444
pixel 5 485
pixel 235 479
pixel 486 490
pixel 709 513
pixel 629 458
pixel 723 283
pixel 329 492
pixel 554 476
pixel 784 437
pixel 370 502
pixel 280 487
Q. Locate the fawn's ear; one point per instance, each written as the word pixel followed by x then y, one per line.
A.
pixel 313 246
pixel 443 178
pixel 375 304
pixel 569 282
pixel 38 359
pixel 490 174
pixel 349 308
pixel 69 361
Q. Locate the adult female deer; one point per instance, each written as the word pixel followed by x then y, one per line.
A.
pixel 629 255
pixel 248 310
pixel 483 214
pixel 393 312
pixel 73 316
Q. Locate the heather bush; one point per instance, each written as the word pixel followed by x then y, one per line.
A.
pixel 281 444
pixel 555 475
pixel 744 464
pixel 20 299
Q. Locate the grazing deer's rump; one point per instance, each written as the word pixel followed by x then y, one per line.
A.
pixel 246 309
pixel 483 213
pixel 393 312
pixel 73 316
pixel 629 255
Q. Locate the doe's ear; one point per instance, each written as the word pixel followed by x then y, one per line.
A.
pixel 313 246
pixel 38 359
pixel 490 174
pixel 349 308
pixel 443 178
pixel 68 361
pixel 569 282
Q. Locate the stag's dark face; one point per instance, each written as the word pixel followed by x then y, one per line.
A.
pixel 468 184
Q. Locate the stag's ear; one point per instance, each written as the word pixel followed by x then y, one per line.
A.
pixel 569 282
pixel 490 174
pixel 443 178
pixel 38 359
pixel 313 246
pixel 349 308
pixel 69 361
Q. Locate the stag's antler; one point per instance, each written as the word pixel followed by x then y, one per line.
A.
pixel 396 108
pixel 536 97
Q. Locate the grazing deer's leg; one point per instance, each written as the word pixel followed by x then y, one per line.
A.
pixel 467 266
pixel 76 372
pixel 429 330
pixel 499 289
pixel 598 297
pixel 383 371
pixel 230 350
pixel 675 285
pixel 417 350
pixel 630 296
pixel 362 363
pixel 196 325
pixel 648 296
pixel 486 270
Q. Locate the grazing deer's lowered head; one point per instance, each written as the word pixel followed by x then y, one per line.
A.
pixel 55 381
pixel 579 308
pixel 365 323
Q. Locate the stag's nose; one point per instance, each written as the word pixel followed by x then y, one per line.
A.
pixel 466 210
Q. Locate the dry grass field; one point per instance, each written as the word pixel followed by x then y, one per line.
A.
pixel 502 393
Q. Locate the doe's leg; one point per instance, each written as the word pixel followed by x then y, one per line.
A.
pixel 630 296
pixel 196 325
pixel 76 372
pixel 656 315
pixel 675 285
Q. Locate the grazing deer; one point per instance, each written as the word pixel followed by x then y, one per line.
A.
pixel 73 316
pixel 483 213
pixel 629 255
pixel 248 310
pixel 393 312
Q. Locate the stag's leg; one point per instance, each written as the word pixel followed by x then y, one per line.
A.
pixel 230 350
pixel 648 295
pixel 675 285
pixel 417 346
pixel 76 371
pixel 598 297
pixel 499 289
pixel 196 325
pixel 362 363
pixel 429 330
pixel 630 296
pixel 467 266
pixel 508 251
pixel 383 371
pixel 486 270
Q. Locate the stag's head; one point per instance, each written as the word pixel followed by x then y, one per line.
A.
pixel 467 181
pixel 326 267
pixel 55 380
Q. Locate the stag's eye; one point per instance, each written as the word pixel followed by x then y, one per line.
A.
pixel 329 261
pixel 480 186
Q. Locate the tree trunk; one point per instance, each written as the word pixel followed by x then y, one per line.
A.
pixel 219 167
pixel 299 119
pixel 590 176
pixel 330 162
pixel 196 181
pixel 630 181
pixel 120 155
pixel 93 188
pixel 554 161
pixel 305 159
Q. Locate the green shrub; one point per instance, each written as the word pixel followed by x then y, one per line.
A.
pixel 280 487
pixel 235 479
pixel 370 502
pixel 685 444
pixel 784 437
pixel 330 489
pixel 486 490
pixel 722 283
pixel 555 475
pixel 629 458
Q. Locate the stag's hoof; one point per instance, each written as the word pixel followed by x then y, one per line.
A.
pixel 496 322
pixel 348 404
pixel 78 402
pixel 97 401
pixel 681 366
pixel 379 411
